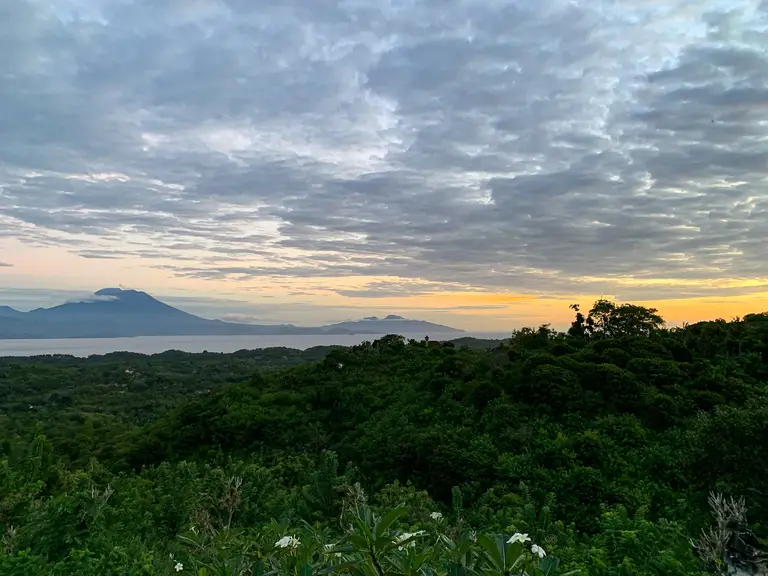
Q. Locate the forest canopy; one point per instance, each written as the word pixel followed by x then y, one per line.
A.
pixel 603 449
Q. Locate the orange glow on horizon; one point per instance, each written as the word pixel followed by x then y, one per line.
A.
pixel 323 298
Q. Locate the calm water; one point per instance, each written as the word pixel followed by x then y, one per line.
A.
pixel 155 344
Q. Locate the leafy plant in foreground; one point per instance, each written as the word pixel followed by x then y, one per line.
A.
pixel 372 546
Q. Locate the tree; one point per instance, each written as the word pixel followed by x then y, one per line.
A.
pixel 608 320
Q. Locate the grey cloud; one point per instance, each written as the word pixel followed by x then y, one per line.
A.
pixel 296 311
pixel 385 289
pixel 364 293
pixel 91 298
pixel 28 298
pixel 545 147
pixel 480 307
pixel 5 265
pixel 106 254
pixel 100 255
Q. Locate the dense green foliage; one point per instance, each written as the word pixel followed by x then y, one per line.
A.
pixel 80 401
pixel 601 443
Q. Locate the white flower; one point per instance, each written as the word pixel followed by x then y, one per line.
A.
pixel 405 536
pixel 179 567
pixel 518 537
pixel 436 516
pixel 286 541
pixel 538 550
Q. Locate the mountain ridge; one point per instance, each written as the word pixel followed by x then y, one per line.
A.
pixel 116 313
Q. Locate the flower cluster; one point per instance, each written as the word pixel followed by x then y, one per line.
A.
pixel 178 566
pixel 538 550
pixel 523 538
pixel 518 537
pixel 378 545
pixel 288 542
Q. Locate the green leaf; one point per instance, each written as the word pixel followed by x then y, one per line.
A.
pixel 363 528
pixel 423 557
pixel 358 542
pixel 518 560
pixel 491 548
pixel 383 542
pixel 549 565
pixel 464 547
pixel 345 567
pixel 389 518
pixel 457 570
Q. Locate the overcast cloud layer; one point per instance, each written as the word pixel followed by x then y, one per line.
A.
pixel 537 146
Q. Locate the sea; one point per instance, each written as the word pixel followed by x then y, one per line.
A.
pixel 84 347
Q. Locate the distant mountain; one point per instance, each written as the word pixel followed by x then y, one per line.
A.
pixel 113 312
pixel 8 312
pixel 392 325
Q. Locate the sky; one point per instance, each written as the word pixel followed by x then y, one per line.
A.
pixel 477 163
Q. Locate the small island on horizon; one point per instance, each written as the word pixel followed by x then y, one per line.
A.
pixel 118 313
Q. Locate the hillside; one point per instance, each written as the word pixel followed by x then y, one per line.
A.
pixel 8 312
pixel 601 444
pixel 392 324
pixel 115 313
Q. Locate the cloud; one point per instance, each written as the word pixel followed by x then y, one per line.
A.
pixel 480 307
pixel 28 298
pixel 5 265
pixel 394 289
pixel 543 147
pixel 91 298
